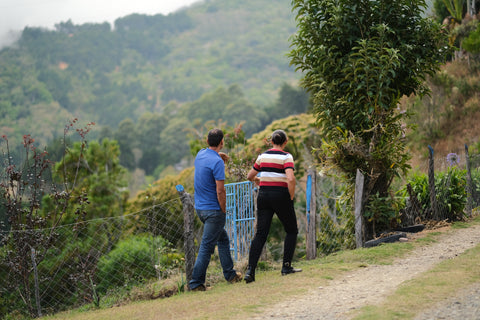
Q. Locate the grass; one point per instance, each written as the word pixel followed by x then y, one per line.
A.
pixel 240 301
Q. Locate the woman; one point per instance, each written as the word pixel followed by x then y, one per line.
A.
pixel 277 190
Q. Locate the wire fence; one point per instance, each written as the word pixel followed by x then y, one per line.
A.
pixel 90 260
pixel 100 261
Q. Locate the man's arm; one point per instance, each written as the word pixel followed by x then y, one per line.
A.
pixel 291 182
pixel 221 195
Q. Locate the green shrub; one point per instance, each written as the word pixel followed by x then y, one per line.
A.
pixel 382 212
pixel 336 233
pixel 135 260
pixel 450 188
pixel 451 192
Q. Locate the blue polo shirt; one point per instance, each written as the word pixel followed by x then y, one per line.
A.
pixel 209 167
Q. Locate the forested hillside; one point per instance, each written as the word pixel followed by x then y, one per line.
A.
pixel 147 81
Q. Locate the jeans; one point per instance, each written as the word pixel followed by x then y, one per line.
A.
pixel 269 202
pixel 213 234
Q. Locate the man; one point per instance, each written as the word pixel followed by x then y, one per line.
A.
pixel 210 205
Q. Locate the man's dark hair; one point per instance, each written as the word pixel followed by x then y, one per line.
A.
pixel 279 137
pixel 214 138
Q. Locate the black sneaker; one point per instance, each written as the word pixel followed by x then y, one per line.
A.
pixel 249 275
pixel 289 269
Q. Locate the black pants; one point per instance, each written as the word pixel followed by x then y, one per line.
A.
pixel 273 200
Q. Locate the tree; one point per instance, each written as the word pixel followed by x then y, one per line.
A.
pixel 99 175
pixel 126 137
pixel 359 58
pixel 149 128
pixel 290 101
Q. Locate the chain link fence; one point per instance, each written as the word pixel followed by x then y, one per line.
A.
pixel 104 261
pixel 91 261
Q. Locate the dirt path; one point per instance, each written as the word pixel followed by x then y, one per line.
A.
pixel 369 285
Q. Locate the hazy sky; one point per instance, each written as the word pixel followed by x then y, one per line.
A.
pixel 17 14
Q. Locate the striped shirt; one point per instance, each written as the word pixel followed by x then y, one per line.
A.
pixel 272 164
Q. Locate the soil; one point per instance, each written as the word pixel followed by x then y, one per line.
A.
pixel 369 286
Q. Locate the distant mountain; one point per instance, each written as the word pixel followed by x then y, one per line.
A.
pixel 106 73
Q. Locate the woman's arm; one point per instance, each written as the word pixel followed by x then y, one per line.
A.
pixel 291 181
pixel 252 176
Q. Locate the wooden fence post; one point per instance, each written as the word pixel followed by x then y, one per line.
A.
pixel 37 289
pixel 188 228
pixel 311 215
pixel 359 185
pixel 431 184
pixel 469 205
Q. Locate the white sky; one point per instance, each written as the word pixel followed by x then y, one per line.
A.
pixel 17 14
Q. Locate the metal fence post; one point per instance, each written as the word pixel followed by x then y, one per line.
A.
pixel 188 228
pixel 311 246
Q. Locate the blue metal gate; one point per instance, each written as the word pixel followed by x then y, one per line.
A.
pixel 240 221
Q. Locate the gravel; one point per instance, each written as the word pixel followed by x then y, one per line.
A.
pixel 369 286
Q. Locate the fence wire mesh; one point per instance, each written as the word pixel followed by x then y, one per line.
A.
pixel 89 260
pixel 445 187
pixel 85 263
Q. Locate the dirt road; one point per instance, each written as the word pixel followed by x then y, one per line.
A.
pixel 368 286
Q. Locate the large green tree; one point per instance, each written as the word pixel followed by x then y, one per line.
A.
pixel 359 57
pixel 99 176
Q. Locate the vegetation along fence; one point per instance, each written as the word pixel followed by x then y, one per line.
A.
pixel 92 262
pixel 106 261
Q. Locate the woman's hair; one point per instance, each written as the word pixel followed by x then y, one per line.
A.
pixel 214 138
pixel 279 137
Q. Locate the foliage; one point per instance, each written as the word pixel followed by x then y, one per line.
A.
pixel 99 176
pixel 32 230
pixel 451 197
pixel 336 226
pixel 455 8
pixel 472 42
pixel 157 204
pixel 149 129
pixel 134 260
pixel 229 105
pixel 333 237
pixel 440 10
pixel 382 212
pixel 359 58
pixel 290 101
